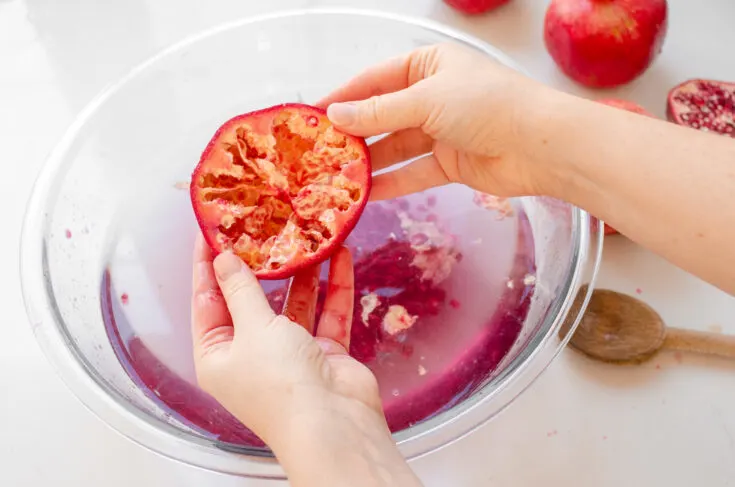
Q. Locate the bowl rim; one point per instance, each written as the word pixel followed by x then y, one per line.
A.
pixel 145 430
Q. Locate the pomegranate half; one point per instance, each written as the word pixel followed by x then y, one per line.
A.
pixel 280 187
pixel 705 105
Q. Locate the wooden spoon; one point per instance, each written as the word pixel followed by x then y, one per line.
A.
pixel 620 328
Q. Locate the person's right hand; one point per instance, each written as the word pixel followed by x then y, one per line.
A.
pixel 467 115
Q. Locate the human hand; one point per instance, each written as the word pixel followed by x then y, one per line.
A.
pixel 468 117
pixel 264 367
pixel 313 404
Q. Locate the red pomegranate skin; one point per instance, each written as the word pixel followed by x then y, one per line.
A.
pixel 626 105
pixel 605 43
pixel 475 7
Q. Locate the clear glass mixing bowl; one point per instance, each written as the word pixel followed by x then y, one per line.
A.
pixel 106 246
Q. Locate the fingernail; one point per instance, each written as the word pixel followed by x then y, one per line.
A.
pixel 342 113
pixel 226 265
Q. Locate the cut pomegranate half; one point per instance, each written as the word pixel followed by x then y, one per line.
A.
pixel 280 187
pixel 705 105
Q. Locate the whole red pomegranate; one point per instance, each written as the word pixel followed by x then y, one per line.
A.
pixel 605 43
pixel 475 7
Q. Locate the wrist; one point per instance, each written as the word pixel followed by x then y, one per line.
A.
pixel 338 444
pixel 549 138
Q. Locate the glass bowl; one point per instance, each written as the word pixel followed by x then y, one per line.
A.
pixel 106 244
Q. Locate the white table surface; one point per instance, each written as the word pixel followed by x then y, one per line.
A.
pixel 670 422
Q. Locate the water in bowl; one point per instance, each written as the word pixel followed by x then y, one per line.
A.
pixel 443 281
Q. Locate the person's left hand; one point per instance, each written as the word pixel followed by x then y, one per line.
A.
pixel 268 369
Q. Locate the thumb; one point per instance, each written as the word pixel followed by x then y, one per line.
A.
pixel 381 114
pixel 245 299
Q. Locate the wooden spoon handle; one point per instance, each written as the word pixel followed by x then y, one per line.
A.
pixel 700 342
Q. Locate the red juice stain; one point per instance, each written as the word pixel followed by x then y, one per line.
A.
pixel 67 232
pixel 552 433
pixel 124 298
pixel 403 205
pixel 335 288
pixel 340 331
pixel 421 208
pixel 454 303
pixel 431 200
pixel 639 291
pixel 678 357
pixel 604 437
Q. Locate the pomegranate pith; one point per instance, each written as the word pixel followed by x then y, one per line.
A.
pixel 280 187
pixel 605 43
pixel 705 105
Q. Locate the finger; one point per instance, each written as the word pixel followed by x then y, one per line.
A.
pixel 210 320
pixel 398 147
pixel 301 299
pixel 330 347
pixel 386 77
pixel 241 290
pixel 202 251
pixel 336 320
pixel 421 174
pixel 377 115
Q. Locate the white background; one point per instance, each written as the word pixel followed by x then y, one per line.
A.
pixel 670 422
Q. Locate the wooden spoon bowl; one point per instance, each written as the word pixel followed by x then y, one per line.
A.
pixel 619 328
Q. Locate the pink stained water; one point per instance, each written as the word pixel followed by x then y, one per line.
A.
pixel 460 334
